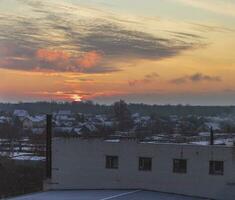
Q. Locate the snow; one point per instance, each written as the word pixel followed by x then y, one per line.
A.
pixel 228 142
pixel 35 119
pixel 214 125
pixel 135 115
pixel 200 142
pixel 108 123
pixel 77 131
pixel 112 140
pixel 90 127
pixel 29 158
pixel 204 134
pixel 14 154
pixel 21 113
pixel 22 156
pixel 64 112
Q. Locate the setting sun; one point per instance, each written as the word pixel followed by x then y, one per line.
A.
pixel 76 98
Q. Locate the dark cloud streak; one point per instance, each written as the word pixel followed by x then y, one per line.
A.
pixel 56 26
pixel 197 77
pixel 148 78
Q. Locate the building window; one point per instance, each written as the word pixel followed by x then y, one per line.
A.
pixel 180 166
pixel 112 162
pixel 145 164
pixel 216 167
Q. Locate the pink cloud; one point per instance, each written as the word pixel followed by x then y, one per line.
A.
pixel 89 59
pixel 72 62
pixel 52 55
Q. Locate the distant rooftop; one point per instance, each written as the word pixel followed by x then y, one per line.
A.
pixel 103 195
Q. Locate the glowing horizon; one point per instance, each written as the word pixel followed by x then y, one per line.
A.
pixel 170 51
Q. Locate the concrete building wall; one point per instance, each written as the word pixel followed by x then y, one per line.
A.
pixel 80 164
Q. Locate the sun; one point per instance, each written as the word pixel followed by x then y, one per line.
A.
pixel 76 98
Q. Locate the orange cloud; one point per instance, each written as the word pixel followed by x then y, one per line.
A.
pixel 52 55
pixel 89 59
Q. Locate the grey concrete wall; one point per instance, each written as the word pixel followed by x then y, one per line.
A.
pixel 80 164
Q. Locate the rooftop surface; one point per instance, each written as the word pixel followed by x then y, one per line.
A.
pixel 103 195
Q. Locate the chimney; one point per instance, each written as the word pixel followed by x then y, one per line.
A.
pixel 211 136
pixel 48 146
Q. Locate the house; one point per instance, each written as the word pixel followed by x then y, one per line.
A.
pixel 33 122
pixel 64 113
pixel 87 128
pixel 20 114
pixel 4 120
pixel 65 118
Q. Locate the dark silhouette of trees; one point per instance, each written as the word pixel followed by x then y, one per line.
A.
pixel 123 115
pixel 9 131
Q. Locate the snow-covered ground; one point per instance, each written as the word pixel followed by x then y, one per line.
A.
pixel 22 156
pixel 29 158
pixel 228 142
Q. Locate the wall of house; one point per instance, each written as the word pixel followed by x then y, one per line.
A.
pixel 80 164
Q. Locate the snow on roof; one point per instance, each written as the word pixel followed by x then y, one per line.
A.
pixel 77 131
pixel 90 127
pixel 35 119
pixel 4 118
pixel 146 118
pixel 135 115
pixel 108 123
pixel 64 112
pixel 215 125
pixel 112 140
pixel 204 134
pixel 20 113
pixel 37 130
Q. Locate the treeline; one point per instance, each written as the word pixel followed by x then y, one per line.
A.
pixel 89 107
pixel 181 110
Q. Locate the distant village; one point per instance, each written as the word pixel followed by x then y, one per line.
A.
pixel 121 123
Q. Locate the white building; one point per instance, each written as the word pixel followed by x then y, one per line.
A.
pixel 33 122
pixel 65 117
pixel 194 170
pixel 21 114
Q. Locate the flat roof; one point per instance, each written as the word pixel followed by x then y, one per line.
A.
pixel 103 195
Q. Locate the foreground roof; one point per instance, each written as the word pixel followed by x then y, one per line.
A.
pixel 103 195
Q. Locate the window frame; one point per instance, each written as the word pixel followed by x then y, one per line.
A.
pixel 110 162
pixel 177 168
pixel 142 164
pixel 213 170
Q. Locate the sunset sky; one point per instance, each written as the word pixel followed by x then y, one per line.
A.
pixel 150 51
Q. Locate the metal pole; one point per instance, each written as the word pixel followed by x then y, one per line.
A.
pixel 48 146
pixel 211 136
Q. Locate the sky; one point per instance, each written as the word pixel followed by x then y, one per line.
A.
pixel 152 51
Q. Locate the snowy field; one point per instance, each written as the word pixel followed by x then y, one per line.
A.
pixel 103 195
